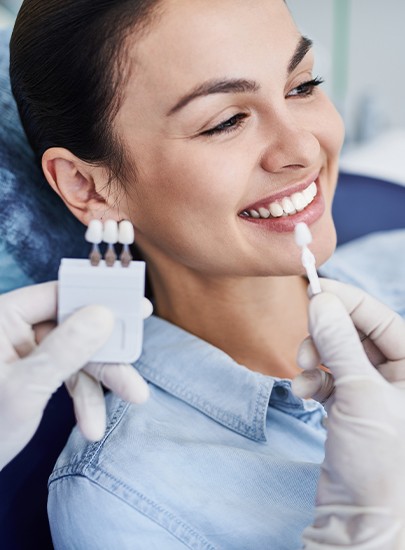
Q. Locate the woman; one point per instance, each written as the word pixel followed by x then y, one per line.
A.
pixel 203 124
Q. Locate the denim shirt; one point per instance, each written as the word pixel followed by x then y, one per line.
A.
pixel 220 457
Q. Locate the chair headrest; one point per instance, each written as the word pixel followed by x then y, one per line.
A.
pixel 36 228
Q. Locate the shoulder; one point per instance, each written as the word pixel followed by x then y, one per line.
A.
pixel 375 263
pixel 85 514
pixel 117 490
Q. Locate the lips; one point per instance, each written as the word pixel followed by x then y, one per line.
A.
pixel 281 212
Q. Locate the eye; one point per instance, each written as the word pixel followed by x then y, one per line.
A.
pixel 306 88
pixel 227 126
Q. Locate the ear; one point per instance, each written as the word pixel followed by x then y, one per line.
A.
pixel 83 188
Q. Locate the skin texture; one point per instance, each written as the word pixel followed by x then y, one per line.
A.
pixel 234 283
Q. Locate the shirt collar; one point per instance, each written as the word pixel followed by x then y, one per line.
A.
pixel 206 378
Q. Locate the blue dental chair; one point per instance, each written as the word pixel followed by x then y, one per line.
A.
pixel 36 230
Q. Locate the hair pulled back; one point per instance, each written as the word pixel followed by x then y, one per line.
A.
pixel 68 69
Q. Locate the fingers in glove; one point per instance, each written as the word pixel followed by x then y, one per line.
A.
pixel 147 308
pixel 89 405
pixel 70 346
pixel 122 379
pixel 20 310
pixel 315 383
pixel 384 327
pixel 43 329
pixel 308 356
pixel 336 338
pixel 35 303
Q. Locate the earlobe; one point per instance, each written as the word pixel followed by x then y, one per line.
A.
pixel 76 183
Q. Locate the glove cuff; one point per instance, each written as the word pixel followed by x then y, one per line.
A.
pixel 355 527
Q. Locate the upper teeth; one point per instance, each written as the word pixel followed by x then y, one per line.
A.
pixel 286 206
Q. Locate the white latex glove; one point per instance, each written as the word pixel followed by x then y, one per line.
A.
pixel 30 373
pixel 361 491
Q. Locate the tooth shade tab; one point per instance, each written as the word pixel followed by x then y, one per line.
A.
pixel 94 232
pixel 302 234
pixel 287 206
pixel 110 234
pixel 126 233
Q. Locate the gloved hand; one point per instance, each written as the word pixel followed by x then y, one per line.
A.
pixel 361 491
pixel 30 373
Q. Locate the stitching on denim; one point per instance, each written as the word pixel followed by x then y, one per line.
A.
pixel 93 449
pixel 158 509
pixel 226 418
pixel 262 402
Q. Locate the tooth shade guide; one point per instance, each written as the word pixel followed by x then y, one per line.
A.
pixel 303 238
pixel 126 233
pixel 110 233
pixel 302 235
pixel 95 256
pixel 110 256
pixel 125 256
pixel 94 232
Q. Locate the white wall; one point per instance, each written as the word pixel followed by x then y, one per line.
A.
pixel 376 61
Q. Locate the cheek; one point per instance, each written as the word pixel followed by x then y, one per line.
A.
pixel 193 179
pixel 331 131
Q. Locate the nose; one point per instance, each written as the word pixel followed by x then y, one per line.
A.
pixel 291 145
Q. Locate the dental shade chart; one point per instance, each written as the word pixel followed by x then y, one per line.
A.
pixel 116 284
pixel 303 238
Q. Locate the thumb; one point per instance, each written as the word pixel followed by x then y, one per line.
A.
pixel 71 345
pixel 336 338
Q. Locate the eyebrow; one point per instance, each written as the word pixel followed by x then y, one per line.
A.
pixel 303 46
pixel 238 85
pixel 235 85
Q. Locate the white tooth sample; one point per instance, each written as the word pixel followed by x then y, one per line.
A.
pixel 276 210
pixel 308 196
pixel 303 238
pixel 94 232
pixel 287 205
pixel 264 212
pixel 302 235
pixel 254 213
pixel 298 201
pixel 110 234
pixel 126 234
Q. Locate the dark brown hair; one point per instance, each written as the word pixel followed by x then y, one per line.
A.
pixel 68 70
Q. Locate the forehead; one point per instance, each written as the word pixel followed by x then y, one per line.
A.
pixel 190 42
pixel 190 35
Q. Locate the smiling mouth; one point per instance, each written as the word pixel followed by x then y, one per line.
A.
pixel 287 206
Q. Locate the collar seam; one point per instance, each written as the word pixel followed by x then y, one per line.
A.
pixel 226 418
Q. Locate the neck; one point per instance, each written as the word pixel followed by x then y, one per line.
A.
pixel 259 322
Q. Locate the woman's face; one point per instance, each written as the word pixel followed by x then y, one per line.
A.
pixel 224 123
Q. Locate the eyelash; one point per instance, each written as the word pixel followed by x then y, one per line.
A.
pixel 307 88
pixel 231 124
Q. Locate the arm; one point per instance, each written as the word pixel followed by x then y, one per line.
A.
pixel 360 500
